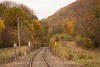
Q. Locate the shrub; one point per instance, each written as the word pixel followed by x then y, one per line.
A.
pixel 78 40
pixel 83 41
pixel 87 42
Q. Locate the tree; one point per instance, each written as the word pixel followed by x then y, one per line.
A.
pixel 45 33
pixel 2 9
pixel 13 13
pixel 70 24
pixel 37 28
pixel 10 13
pixel 9 37
pixel 1 25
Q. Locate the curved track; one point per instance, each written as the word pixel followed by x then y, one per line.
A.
pixel 31 60
pixel 42 54
pixel 45 59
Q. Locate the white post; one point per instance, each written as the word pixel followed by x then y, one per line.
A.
pixel 29 45
pixel 15 45
pixel 15 51
pixel 24 53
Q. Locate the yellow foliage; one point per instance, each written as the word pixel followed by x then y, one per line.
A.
pixel 56 44
pixel 1 24
pixel 70 26
pixel 37 25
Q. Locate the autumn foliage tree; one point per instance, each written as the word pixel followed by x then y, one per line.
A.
pixel 2 26
pixel 10 14
pixel 69 26
pixel 45 32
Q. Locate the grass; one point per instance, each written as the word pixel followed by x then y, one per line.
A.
pixel 8 54
pixel 88 58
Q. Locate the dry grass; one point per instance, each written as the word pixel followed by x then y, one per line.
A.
pixel 8 54
pixel 69 51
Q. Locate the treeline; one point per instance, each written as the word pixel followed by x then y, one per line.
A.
pixel 29 26
pixel 81 20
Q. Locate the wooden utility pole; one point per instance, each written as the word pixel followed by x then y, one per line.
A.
pixel 18 35
pixel 18 32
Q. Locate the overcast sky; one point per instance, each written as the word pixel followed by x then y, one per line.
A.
pixel 43 8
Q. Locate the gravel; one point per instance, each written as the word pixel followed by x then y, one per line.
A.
pixel 39 61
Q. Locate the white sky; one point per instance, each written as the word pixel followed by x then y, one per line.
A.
pixel 43 8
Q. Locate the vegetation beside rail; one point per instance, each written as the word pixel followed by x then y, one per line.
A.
pixel 68 50
pixel 8 54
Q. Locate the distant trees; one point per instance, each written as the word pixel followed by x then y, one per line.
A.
pixel 45 26
pixel 45 32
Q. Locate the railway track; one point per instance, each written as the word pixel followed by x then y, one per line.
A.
pixel 43 56
pixel 45 59
pixel 31 60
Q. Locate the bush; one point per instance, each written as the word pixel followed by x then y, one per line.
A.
pixel 78 40
pixel 83 41
pixel 87 42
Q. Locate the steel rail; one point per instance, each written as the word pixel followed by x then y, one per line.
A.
pixel 45 59
pixel 31 60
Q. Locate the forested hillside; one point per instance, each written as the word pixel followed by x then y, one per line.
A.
pixel 80 19
pixel 75 30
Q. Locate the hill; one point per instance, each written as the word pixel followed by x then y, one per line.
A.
pixel 72 11
pixel 81 19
